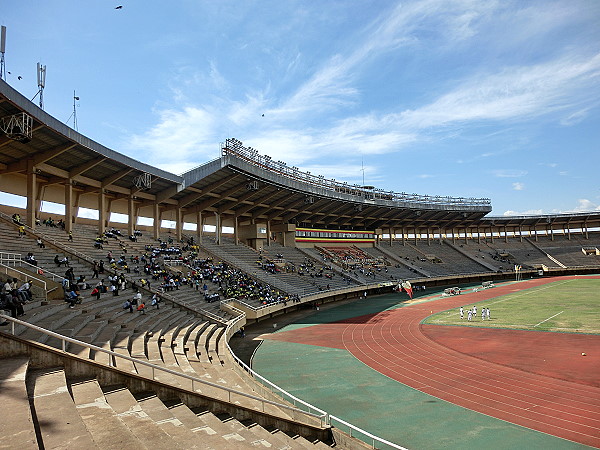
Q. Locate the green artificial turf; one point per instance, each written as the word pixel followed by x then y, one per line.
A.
pixel 565 306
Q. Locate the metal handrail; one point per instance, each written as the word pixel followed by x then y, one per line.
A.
pixel 90 260
pixel 28 277
pixel 53 276
pixel 273 386
pixel 154 367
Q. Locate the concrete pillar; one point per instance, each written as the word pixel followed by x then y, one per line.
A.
pixel 235 230
pixel 403 237
pixel 217 228
pixel 131 216
pixel 415 231
pixel 391 236
pixel 199 226
pixel 492 234
pixel 520 234
pixel 156 223
pixel 101 212
pixel 478 236
pixel 31 193
pixel 178 224
pixel 268 233
pixel 68 206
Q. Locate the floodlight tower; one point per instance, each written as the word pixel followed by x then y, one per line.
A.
pixel 2 50
pixel 41 79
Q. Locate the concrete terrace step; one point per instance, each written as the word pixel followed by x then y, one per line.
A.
pixel 200 427
pixel 163 417
pixel 103 423
pixel 16 427
pixel 60 425
pixel 139 423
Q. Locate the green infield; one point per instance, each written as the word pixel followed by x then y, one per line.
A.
pixel 566 306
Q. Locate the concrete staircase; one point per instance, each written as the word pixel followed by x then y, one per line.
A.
pixel 51 410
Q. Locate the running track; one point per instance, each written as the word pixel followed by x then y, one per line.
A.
pixel 394 343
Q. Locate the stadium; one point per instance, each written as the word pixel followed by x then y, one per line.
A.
pixel 243 244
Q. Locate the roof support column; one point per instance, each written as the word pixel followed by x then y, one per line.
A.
pixel 440 235
pixel 520 234
pixel 69 206
pixel 31 193
pixel 535 234
pixel 466 234
pixel 76 206
pixel 131 216
pixel 217 228
pixel 478 235
pixel 568 229
pixel 178 223
pixel 235 230
pixel 403 236
pixel 391 235
pixel 415 231
pixel 268 232
pixel 551 232
pixel 453 237
pixel 156 222
pixel 585 227
pixel 428 236
pixel 199 226
pixel 101 212
pixel 492 234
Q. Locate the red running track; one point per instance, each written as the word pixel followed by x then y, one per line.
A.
pixel 395 344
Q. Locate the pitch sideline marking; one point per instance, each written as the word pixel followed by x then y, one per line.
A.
pixel 548 319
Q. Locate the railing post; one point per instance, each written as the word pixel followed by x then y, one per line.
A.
pixel 64 345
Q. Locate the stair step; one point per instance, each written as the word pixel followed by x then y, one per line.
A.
pixel 106 428
pixel 57 417
pixel 16 427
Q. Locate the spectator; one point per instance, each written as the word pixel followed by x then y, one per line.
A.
pixel 73 298
pixel 24 292
pixel 127 305
pixel 40 243
pixel 96 292
pixel 142 308
pixel 156 301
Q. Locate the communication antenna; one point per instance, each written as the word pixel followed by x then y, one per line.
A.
pixel 2 50
pixel 41 79
pixel 75 98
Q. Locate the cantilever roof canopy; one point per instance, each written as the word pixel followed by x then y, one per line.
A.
pixel 240 184
pixel 231 185
pixel 255 189
pixel 59 153
pixel 566 220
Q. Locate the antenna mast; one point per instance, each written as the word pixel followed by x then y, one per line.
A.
pixel 75 98
pixel 2 50
pixel 41 79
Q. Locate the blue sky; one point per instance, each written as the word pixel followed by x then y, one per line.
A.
pixel 497 99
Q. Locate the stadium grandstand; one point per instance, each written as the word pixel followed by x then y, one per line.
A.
pixel 213 251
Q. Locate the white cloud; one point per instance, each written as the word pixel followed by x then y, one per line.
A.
pixel 529 212
pixel 518 186
pixel 179 137
pixel 509 173
pixel 584 205
pixel 515 92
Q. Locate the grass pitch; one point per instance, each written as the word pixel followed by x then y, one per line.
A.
pixel 565 306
